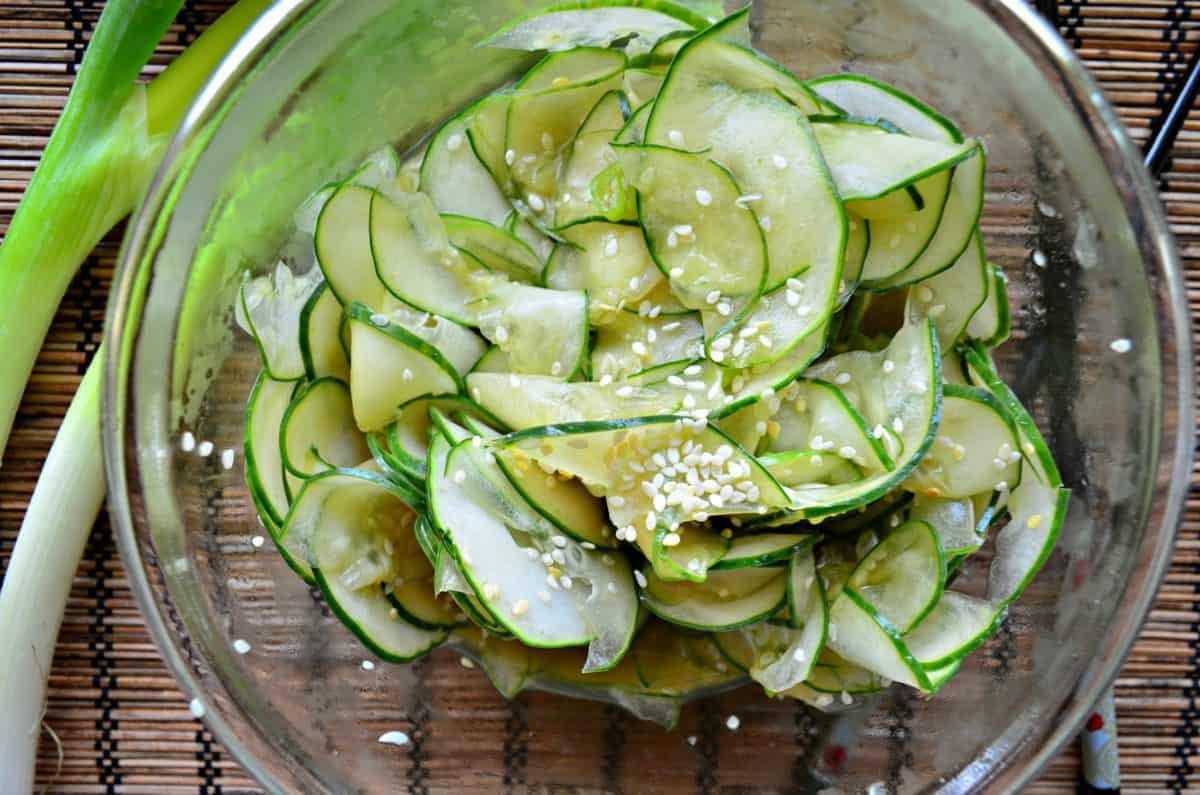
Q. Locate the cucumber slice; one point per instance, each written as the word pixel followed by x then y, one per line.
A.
pixel 532 401
pixel 390 366
pixel 956 626
pixel 320 327
pixel 908 390
pixel 904 201
pixel 642 85
pixel 318 432
pixel 543 332
pixel 859 634
pixel 698 550
pixel 953 521
pixel 976 448
pixel 453 176
pixel 835 675
pixel 488 527
pixel 564 502
pixel 772 328
pixel 635 28
pixel 766 549
pixel 991 322
pixel 458 345
pixel 705 248
pixel 748 426
pixel 785 656
pixel 953 297
pixel 858 244
pixel 345 523
pixel 629 345
pixel 584 195
pixel 815 415
pixel 900 240
pixel 797 467
pixel 609 261
pixel 492 247
pixel 494 360
pixel 485 132
pixel 265 408
pixel 752 384
pixel 408 436
pixel 411 592
pixel 753 130
pixel 1036 513
pixel 542 121
pixel 903 576
pixel 271 310
pixel 415 261
pixel 869 161
pixel 634 131
pixel 343 244
pixel 726 600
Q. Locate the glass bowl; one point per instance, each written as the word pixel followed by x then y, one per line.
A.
pixel 317 84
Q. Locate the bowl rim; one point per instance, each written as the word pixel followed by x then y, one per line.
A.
pixel 1045 47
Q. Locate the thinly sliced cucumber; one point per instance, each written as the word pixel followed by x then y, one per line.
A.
pixel 271 310
pixel 991 322
pixel 496 249
pixel 833 674
pixel 899 241
pixel 534 236
pixel 344 525
pixel 415 261
pixel 704 241
pixel 956 626
pixel 899 202
pixel 543 332
pixel 609 261
pixel 903 576
pixel 318 431
pixel 265 408
pixel 565 502
pixel 393 367
pixel 773 327
pixel 815 415
pixel 698 550
pixel 952 297
pixel 726 600
pixel 642 85
pixel 797 467
pixel 542 122
pixel 489 527
pixel 748 426
pixel 453 176
pixel 765 549
pixel 408 435
pixel 637 29
pixel 953 521
pixel 411 591
pixel 909 389
pixel 343 244
pixel 485 132
pixel 784 656
pixel 320 326
pixel 1036 513
pixel 494 360
pixel 869 161
pixel 753 130
pixel 634 131
pixel 533 401
pixel 858 244
pixel 583 194
pixel 756 382
pixel 975 451
pixel 632 344
pixel 458 345
pixel 862 636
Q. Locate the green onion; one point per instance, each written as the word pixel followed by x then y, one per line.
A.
pixel 98 162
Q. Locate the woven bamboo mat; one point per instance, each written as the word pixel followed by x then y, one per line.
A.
pixel 123 726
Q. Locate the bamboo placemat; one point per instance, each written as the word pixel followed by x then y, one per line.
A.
pixel 123 725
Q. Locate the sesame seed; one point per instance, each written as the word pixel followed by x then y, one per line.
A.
pixel 1039 259
pixel 765 223
pixel 724 309
pixel 559 557
pixel 683 230
pixel 536 202
pixel 639 348
pixel 407 375
pixel 605 380
pixel 454 142
pixel 792 297
pixel 460 476
pixel 634 282
pixel 712 297
pixel 847 452
pixel 205 449
pixel 257 542
pixel 521 607
pixel 588 545
pixel 640 578
pixel 625 391
pixel 187 442
pixel 513 380
pixel 556 368
pixel 227 458
pixel 367 665
pixel 842 379
pixel 937 310
pixel 675 137
pixel 510 157
pixel 703 197
pixel 552 581
pixel 565 582
pixel 675 273
pixel 671 540
pixel 466 662
pixel 823 700
pixel 378 319
pixel 501 334
pixel 1121 345
pixel 798 654
pixel 779 161
pixel 241 646
pixel 888 365
pixel 196 707
pixel 672 239
pixel 733 722
pixel 1002 486
pixel 846 698
pixel 611 247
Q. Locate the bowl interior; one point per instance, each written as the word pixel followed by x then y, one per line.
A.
pixel 320 83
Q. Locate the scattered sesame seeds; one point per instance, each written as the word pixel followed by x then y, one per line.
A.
pixel 606 379
pixel 510 157
pixel 703 197
pixel 257 542
pixel 675 137
pixel 521 607
pixel 724 309
pixel 454 142
pixel 500 334
pixel 367 665
pixel 1039 259
pixel 625 391
pixel 733 722
pixel 187 442
pixel 779 161
pixel 466 662
pixel 841 379
pixel 675 273
pixel 395 737
pixel 459 476
pixel 712 297
pixel 513 380
pixel 196 707
pixel 640 578
pixel 227 458
pixel 204 449
pixel 536 202
pixel 1121 345
pixel 671 539
pixel 639 348
pixel 241 646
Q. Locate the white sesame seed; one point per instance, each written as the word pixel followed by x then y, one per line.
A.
pixel 671 540
pixel 536 202
pixel 611 247
pixel 765 223
pixel 616 500
pixel 565 582
pixel 367 665
pixel 1039 259
pixel 703 197
pixel 187 442
pixel 521 607
pixel 724 309
pixel 683 230
pixel 454 142
pixel 501 334
pixel 712 297
pixel 937 310
pixel 733 722
pixel 378 319
pixel 257 541
pixel 460 476
pixel 510 157
pixel 513 380
pixel 888 365
pixel 559 557
pixel 842 379
pixel 672 239
pixel 241 646
pixel 204 449
pixel 675 273
pixel 743 201
pixel 639 348
pixel 1121 345
pixel 798 654
pixel 625 391
pixel 552 581
pixel 779 161
pixel 605 380
pixel 196 707
pixel 692 740
pixel 846 698
pixel 898 425
pixel 641 578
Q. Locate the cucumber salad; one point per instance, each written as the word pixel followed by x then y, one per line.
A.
pixel 659 371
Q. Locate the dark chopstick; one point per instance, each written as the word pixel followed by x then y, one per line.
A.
pixel 1166 128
